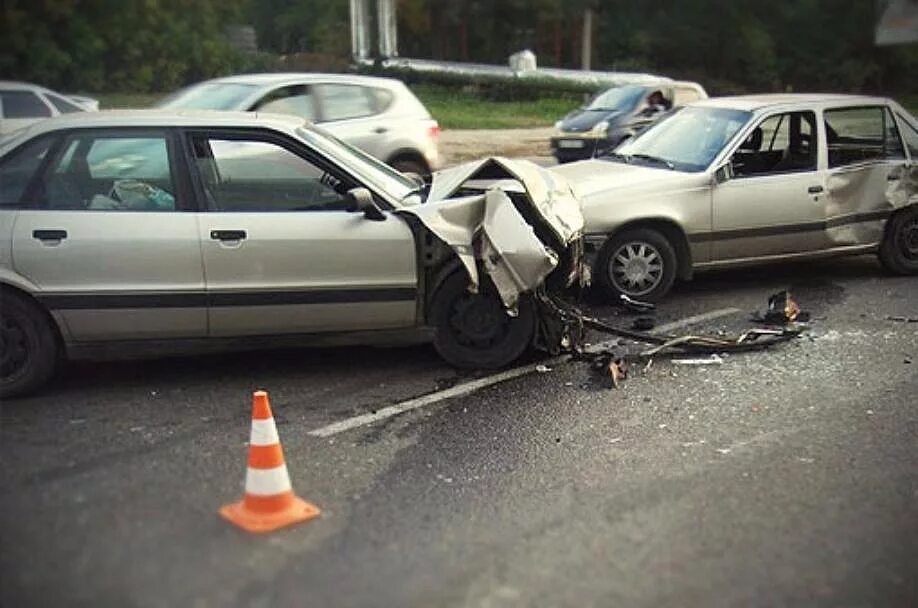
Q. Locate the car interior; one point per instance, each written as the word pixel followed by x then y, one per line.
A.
pixel 784 143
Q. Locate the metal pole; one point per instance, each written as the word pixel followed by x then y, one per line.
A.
pixel 388 26
pixel 360 30
pixel 586 50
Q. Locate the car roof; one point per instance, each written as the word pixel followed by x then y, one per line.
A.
pixel 23 86
pixel 271 79
pixel 752 103
pixel 167 118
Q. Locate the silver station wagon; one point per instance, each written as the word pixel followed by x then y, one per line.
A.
pixel 746 180
pixel 152 232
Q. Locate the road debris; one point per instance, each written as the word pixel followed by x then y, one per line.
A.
pixel 782 309
pixel 542 369
pixel 900 319
pixel 713 359
pixel 636 305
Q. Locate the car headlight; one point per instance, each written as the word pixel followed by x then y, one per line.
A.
pixel 602 128
pixel 558 124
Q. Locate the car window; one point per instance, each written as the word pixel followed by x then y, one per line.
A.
pixel 296 100
pixel 910 135
pixel 893 142
pixel 62 105
pixel 342 101
pixel 210 96
pixel 18 168
pixel 108 172
pixel 23 104
pixel 856 135
pixel 684 95
pixel 253 175
pixel 782 143
pixel 383 98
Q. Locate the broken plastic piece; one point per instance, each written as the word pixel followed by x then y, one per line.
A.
pixel 618 371
pixel 782 309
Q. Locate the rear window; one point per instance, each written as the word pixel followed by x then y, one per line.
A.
pixel 910 135
pixel 62 105
pixel 23 104
pixel 856 135
pixel 343 101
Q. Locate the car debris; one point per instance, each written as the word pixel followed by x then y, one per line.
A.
pixel 900 319
pixel 782 309
pixel 713 359
pixel 636 305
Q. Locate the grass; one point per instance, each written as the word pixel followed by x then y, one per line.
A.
pixel 460 110
pixel 113 101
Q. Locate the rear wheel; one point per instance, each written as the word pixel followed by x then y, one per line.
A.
pixel 28 350
pixel 899 249
pixel 474 330
pixel 639 263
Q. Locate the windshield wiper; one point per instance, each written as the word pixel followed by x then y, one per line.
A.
pixel 655 159
pixel 616 156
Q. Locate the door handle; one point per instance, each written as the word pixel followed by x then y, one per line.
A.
pixel 227 235
pixel 814 189
pixel 49 235
pixel 891 177
pixel 380 130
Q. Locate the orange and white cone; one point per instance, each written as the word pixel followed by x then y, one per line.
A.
pixel 269 502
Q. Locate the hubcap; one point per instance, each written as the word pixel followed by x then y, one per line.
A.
pixel 636 268
pixel 908 239
pixel 14 348
pixel 478 320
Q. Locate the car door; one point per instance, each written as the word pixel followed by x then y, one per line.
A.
pixel 111 241
pixel 282 253
pixel 867 163
pixel 775 203
pixel 349 112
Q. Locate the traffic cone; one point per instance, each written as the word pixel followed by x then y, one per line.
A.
pixel 269 502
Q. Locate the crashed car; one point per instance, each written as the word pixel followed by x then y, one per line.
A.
pixel 738 181
pixel 154 232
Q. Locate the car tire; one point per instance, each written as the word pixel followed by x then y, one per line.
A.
pixel 899 249
pixel 474 331
pixel 639 263
pixel 28 348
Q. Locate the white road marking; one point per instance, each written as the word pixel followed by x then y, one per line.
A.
pixel 471 386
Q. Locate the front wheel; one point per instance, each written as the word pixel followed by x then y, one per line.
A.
pixel 474 331
pixel 639 263
pixel 899 249
pixel 28 350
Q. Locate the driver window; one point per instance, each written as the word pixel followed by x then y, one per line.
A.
pixel 254 175
pixel 296 100
pixel 783 143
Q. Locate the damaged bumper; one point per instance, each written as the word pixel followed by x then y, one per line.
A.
pixel 510 219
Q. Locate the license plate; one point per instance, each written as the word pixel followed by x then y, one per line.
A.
pixel 570 143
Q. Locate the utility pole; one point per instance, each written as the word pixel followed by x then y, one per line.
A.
pixel 586 50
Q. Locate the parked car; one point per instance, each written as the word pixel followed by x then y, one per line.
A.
pixel 746 180
pixel 153 232
pixel 22 104
pixel 617 114
pixel 378 115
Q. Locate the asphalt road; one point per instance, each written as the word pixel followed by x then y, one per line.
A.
pixel 779 478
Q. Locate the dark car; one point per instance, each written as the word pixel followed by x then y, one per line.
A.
pixel 617 114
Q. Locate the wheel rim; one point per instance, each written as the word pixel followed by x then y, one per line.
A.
pixel 636 268
pixel 14 348
pixel 908 239
pixel 478 321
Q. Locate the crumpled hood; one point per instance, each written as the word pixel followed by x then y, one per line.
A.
pixel 470 209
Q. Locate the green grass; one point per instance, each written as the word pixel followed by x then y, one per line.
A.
pixel 455 109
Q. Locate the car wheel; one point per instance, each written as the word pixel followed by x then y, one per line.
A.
pixel 474 330
pixel 639 263
pixel 28 349
pixel 899 249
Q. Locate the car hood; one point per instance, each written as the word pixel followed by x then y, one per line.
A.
pixel 473 209
pixel 592 177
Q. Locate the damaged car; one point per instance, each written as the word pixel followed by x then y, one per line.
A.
pixel 739 181
pixel 147 233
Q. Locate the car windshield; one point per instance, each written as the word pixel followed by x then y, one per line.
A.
pixel 210 96
pixel 619 98
pixel 688 140
pixel 401 187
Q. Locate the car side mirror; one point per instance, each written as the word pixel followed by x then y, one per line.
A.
pixel 724 172
pixel 361 199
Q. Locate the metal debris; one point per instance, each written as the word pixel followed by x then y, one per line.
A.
pixel 636 305
pixel 714 359
pixel 899 319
